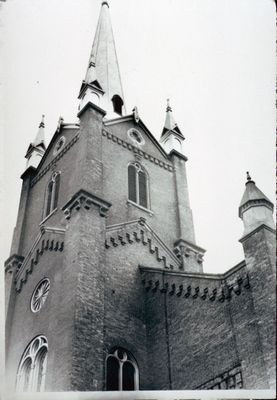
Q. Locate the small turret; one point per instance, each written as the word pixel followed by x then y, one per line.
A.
pixel 171 137
pixel 255 208
pixel 37 148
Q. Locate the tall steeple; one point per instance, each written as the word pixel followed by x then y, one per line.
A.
pixel 37 148
pixel 171 137
pixel 255 208
pixel 102 84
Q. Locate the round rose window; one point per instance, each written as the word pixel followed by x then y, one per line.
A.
pixel 59 145
pixel 40 294
pixel 136 136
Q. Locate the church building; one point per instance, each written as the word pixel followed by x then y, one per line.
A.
pixel 104 286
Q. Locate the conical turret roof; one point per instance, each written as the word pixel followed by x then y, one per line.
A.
pixel 39 141
pixel 252 194
pixel 170 124
pixel 40 137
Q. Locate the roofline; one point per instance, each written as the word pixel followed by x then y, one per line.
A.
pixel 241 240
pixel 56 133
pixel 202 275
pixel 130 117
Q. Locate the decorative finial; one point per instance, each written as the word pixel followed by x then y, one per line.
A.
pixel 136 114
pixel 168 108
pixel 41 125
pixel 105 3
pixel 60 121
pixel 248 177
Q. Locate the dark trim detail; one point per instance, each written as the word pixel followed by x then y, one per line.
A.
pixel 263 226
pixel 14 262
pixel 177 154
pixel 220 293
pixel 84 199
pixel 91 105
pixel 29 171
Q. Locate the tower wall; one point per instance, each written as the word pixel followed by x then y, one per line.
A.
pixel 259 248
pixel 116 158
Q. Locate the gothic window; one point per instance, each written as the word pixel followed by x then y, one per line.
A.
pixel 32 367
pixel 122 371
pixel 40 294
pixel 117 104
pixel 52 193
pixel 138 185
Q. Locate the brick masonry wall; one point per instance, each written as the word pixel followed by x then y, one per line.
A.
pixel 36 199
pixel 161 183
pixel 181 339
pixel 195 332
pixel 85 252
pixel 55 320
pixel 125 323
pixel 259 249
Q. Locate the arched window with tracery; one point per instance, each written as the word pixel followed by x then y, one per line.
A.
pixel 52 193
pixel 138 185
pixel 122 371
pixel 32 367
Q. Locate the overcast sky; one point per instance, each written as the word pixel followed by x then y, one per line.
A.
pixel 214 59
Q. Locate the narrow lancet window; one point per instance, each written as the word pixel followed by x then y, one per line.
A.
pixel 117 104
pixel 138 185
pixel 52 194
pixel 122 371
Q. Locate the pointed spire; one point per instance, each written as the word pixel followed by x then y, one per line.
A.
pixel 102 84
pixel 252 193
pixel 170 124
pixel 171 137
pixel 255 208
pixel 37 148
pixel 40 138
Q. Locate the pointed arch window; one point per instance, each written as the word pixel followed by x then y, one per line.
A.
pixel 122 371
pixel 117 104
pixel 52 194
pixel 138 185
pixel 32 367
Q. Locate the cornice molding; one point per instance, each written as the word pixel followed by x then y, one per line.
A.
pixel 36 251
pixel 88 105
pixel 85 200
pixel 263 226
pixel 184 248
pixel 138 231
pixel 255 203
pixel 213 289
pixel 177 154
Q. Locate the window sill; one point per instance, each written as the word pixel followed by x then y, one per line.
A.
pixel 130 202
pixel 48 216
